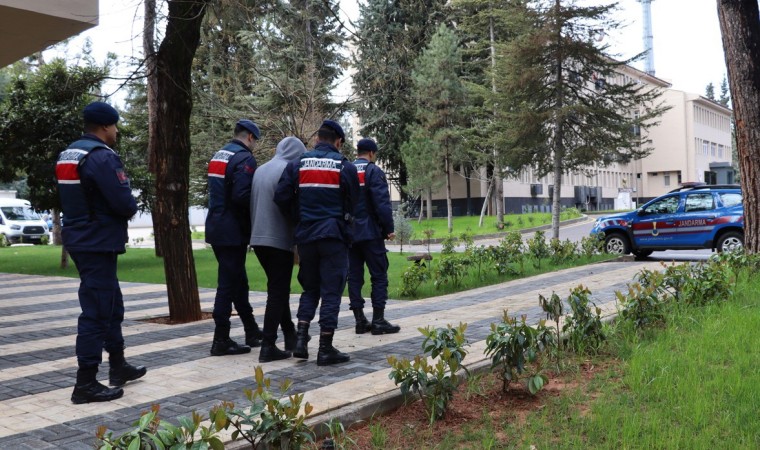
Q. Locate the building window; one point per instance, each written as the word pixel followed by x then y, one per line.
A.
pixel 666 180
pixel 711 177
pixel 720 150
pixel 705 148
pixel 713 149
pixel 679 178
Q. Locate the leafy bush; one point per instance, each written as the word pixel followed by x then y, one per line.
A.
pixel 512 345
pixel 708 282
pixel 274 421
pixel 554 309
pixel 642 306
pixel 413 277
pixel 562 251
pixel 152 433
pixel 538 248
pixel 435 384
pixel 583 327
pixel 592 245
pixel 448 244
pixel 451 268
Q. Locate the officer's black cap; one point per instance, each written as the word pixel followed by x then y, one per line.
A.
pixel 335 126
pixel 366 145
pixel 251 127
pixel 100 113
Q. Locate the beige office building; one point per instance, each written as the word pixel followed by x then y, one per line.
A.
pixel 692 143
pixel 28 26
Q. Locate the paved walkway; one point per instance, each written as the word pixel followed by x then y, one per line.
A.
pixel 37 365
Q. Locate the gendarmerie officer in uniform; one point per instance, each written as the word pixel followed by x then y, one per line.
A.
pixel 228 229
pixel 320 189
pixel 97 203
pixel 373 224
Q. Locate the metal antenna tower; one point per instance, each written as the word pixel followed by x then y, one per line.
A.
pixel 646 10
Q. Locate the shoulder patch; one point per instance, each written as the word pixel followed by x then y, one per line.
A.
pixel 122 176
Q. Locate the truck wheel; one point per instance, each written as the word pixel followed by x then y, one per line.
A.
pixel 616 244
pixel 731 241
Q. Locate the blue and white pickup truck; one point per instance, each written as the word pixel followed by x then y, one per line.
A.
pixel 693 217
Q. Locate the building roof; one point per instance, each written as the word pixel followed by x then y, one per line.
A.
pixel 29 26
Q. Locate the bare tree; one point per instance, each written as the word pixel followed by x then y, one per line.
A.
pixel 740 28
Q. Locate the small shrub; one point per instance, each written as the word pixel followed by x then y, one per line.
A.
pixel 562 251
pixel 428 237
pixel 413 277
pixel 434 384
pixel 451 268
pixel 514 250
pixel 554 309
pixel 150 432
pixel 401 226
pixel 708 282
pixel 512 345
pixel 520 221
pixel 272 420
pixel 448 244
pixel 583 327
pixel 675 277
pixel 538 248
pixel 45 239
pixel 592 245
pixel 642 306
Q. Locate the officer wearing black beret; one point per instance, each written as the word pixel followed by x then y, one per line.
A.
pixel 97 203
pixel 373 224
pixel 228 229
pixel 320 190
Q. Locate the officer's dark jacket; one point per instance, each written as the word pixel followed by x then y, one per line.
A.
pixel 319 192
pixel 374 215
pixel 230 172
pixel 96 197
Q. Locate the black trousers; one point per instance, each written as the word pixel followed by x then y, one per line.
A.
pixel 232 284
pixel 99 325
pixel 278 266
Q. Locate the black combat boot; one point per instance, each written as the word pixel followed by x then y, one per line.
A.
pixel 253 334
pixel 380 325
pixel 362 324
pixel 328 354
pixel 290 337
pixel 270 352
pixel 121 371
pixel 302 341
pixel 223 345
pixel 88 390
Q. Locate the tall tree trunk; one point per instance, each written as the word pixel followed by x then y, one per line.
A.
pixel 449 209
pixel 149 52
pixel 56 216
pixel 559 149
pixel 429 200
pixel 169 146
pixel 485 203
pixel 498 184
pixel 740 28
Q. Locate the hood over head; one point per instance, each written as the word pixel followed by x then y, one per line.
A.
pixel 290 148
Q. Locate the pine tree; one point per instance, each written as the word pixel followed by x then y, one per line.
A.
pixel 561 112
pixel 390 36
pixel 710 91
pixel 439 97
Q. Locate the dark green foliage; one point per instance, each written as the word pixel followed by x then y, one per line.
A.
pixel 642 305
pixel 40 116
pixel 562 251
pixel 583 327
pixel 434 384
pixel 592 245
pixel 389 38
pixel 412 278
pixel 538 248
pixel 512 345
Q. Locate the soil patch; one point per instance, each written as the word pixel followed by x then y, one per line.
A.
pixel 474 405
pixel 164 320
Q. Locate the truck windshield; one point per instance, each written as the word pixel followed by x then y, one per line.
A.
pixel 19 213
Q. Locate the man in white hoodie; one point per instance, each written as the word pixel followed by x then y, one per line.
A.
pixel 272 241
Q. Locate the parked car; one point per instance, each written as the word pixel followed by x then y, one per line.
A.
pixel 19 223
pixel 696 216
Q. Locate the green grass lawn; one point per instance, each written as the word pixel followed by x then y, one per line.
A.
pixel 693 385
pixel 142 266
pixel 439 225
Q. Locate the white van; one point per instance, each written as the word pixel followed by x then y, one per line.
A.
pixel 19 223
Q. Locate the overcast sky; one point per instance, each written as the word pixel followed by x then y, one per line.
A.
pixel 687 45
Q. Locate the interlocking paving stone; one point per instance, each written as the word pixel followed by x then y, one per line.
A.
pixel 36 381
